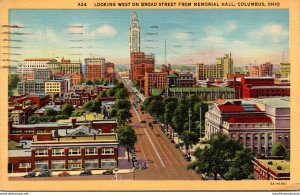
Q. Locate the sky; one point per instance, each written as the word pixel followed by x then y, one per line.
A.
pixel 192 36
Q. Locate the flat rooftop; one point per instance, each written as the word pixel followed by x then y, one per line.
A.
pixel 285 165
pixel 19 153
pixel 104 137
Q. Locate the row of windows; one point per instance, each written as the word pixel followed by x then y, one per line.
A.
pixel 73 164
pixel 74 151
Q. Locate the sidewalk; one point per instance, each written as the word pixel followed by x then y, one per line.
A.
pixel 55 173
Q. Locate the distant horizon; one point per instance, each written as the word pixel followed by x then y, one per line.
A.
pixel 192 36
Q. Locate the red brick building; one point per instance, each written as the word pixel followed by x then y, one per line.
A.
pixel 110 71
pixel 95 68
pixel 140 64
pixel 67 153
pixel 76 79
pixel 155 80
pixel 26 132
pixel 253 87
pixel 271 168
pixel 254 71
pixel 266 69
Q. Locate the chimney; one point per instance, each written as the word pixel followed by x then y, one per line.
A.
pixel 94 136
pixel 58 139
pixel 66 131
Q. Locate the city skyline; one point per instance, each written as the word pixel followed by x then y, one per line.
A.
pixel 256 36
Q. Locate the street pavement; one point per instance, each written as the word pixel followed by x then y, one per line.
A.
pixel 164 161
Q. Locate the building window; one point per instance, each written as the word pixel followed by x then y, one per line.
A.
pixel 25 165
pixel 57 164
pixel 41 152
pixel 91 163
pixel 107 151
pixel 74 151
pixel 279 137
pixel 58 152
pixel 28 132
pixel 15 132
pixel 108 163
pixel 90 151
pixel 286 137
pixel 74 164
pixel 41 164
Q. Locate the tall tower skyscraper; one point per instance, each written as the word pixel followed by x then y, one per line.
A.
pixel 134 34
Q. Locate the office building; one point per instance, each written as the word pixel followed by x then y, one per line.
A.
pixel 134 33
pixel 28 65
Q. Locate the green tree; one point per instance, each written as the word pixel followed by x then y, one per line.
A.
pixel 103 93
pixel 113 113
pixel 122 104
pixel 216 158
pixel 111 92
pixel 156 108
pixel 60 116
pixel 67 109
pixel 189 138
pixel 179 118
pixel 89 82
pixel 241 166
pixel 78 113
pixel 13 80
pixel 96 106
pixel 87 106
pixel 34 119
pixel 127 137
pixel 50 112
pixel 123 115
pixel 122 94
pixel 278 149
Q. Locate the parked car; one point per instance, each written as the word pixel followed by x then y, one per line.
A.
pixel 30 174
pixel 136 165
pixel 143 165
pixel 45 173
pixel 188 158
pixel 143 121
pixel 86 172
pixel 108 172
pixel 64 174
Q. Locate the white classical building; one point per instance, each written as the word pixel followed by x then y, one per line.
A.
pixel 256 123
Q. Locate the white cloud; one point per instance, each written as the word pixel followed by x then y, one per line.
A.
pixel 181 35
pixel 273 32
pixel 212 39
pixel 232 26
pixel 107 30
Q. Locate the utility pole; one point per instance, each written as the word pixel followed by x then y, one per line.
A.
pixel 200 122
pixel 190 119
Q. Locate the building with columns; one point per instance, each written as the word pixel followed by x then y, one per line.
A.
pixel 256 123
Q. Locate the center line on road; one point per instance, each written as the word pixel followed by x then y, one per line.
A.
pixel 156 152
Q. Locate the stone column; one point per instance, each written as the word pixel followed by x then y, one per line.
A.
pixel 259 143
pixel 244 140
pixel 251 142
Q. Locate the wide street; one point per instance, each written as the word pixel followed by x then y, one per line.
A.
pixel 164 161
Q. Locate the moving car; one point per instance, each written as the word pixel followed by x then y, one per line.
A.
pixel 45 173
pixel 86 172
